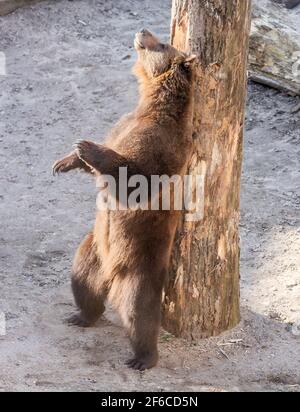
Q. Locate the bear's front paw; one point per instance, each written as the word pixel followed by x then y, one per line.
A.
pixel 66 164
pixel 86 151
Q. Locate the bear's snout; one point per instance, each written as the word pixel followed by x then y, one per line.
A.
pixel 144 39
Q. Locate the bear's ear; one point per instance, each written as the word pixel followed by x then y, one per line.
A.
pixel 190 60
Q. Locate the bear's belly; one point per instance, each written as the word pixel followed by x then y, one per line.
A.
pixel 129 239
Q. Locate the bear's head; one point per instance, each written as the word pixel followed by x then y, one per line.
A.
pixel 156 58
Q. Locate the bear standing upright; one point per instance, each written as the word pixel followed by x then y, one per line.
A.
pixel 125 258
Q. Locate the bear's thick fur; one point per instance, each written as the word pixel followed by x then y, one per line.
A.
pixel 125 258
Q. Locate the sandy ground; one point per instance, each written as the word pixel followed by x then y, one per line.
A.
pixel 68 77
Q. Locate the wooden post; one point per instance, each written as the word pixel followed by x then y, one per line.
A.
pixel 202 295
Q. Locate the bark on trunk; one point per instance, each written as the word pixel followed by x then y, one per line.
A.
pixel 202 295
pixel 275 47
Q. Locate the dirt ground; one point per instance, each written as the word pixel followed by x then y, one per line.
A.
pixel 68 77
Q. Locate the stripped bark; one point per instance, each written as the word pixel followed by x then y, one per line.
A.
pixel 202 295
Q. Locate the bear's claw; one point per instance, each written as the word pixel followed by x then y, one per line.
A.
pixel 142 363
pixel 77 320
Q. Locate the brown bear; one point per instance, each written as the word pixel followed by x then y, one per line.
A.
pixel 125 258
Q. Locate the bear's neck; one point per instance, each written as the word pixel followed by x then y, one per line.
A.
pixel 166 99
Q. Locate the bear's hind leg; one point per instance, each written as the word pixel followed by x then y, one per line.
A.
pixel 140 308
pixel 87 286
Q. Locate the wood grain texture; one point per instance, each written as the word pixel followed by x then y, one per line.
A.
pixel 202 295
pixel 275 47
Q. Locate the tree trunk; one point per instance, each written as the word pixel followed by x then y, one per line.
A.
pixel 202 294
